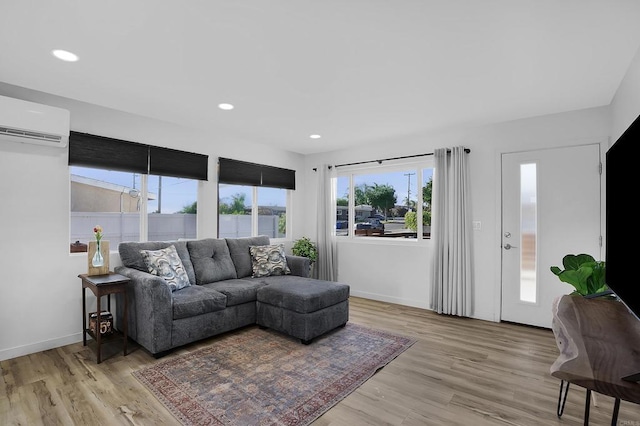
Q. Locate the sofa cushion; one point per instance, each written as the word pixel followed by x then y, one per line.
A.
pixel 268 260
pixel 132 258
pixel 211 260
pixel 239 249
pixel 303 295
pixel 196 300
pixel 166 264
pixel 237 291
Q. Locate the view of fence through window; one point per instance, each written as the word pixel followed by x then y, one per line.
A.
pixel 113 199
pixel 237 204
pixel 385 204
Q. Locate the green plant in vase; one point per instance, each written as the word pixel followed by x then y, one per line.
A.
pixel 583 272
pixel 306 248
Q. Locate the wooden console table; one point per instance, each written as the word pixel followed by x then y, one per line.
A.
pixel 599 343
pixel 103 285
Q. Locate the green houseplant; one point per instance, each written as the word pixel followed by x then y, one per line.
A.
pixel 306 248
pixel 583 272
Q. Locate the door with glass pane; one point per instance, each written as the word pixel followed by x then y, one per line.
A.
pixel 550 207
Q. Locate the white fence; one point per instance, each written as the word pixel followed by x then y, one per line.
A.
pixel 238 225
pixel 119 227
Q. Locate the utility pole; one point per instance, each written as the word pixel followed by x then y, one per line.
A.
pixel 408 175
pixel 159 194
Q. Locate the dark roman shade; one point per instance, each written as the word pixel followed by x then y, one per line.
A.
pixel 251 174
pixel 172 162
pixel 106 153
pixel 114 154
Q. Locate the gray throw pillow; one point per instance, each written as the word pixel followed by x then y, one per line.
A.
pixel 166 263
pixel 269 260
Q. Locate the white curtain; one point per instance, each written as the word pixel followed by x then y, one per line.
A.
pixel 327 265
pixel 451 216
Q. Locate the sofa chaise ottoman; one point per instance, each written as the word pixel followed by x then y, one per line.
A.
pixel 304 308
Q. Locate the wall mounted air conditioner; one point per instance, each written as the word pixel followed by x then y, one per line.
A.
pixel 28 122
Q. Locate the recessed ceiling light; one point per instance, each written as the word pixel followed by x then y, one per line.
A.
pixel 225 107
pixel 315 136
pixel 65 55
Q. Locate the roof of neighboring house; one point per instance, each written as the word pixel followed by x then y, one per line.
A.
pixel 108 185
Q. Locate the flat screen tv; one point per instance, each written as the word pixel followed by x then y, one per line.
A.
pixel 623 217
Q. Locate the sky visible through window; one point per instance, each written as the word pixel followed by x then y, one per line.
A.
pixel 398 180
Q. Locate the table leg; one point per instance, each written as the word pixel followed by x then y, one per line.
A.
pixel 84 317
pixel 562 398
pixel 616 408
pixel 97 332
pixel 126 321
pixel 587 407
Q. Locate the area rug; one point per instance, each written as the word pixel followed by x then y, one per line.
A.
pixel 261 377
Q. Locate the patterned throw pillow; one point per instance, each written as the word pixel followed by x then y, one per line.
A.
pixel 166 263
pixel 268 260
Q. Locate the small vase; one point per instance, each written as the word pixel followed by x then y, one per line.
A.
pixel 97 260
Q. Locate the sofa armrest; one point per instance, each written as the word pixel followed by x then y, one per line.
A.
pixel 299 265
pixel 150 309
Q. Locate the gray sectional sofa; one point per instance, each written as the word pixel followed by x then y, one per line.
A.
pixel 222 295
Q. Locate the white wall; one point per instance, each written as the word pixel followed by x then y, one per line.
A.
pixel 40 299
pixel 399 272
pixel 625 106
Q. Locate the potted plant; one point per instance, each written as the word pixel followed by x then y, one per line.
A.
pixel 306 248
pixel 583 272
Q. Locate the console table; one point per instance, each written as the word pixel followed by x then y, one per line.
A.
pixel 103 285
pixel 599 343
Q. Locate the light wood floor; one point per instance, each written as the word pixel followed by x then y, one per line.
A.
pixel 460 372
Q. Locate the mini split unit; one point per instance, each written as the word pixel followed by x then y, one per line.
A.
pixel 29 122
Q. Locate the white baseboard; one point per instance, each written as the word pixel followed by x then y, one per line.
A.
pixel 389 299
pixel 39 346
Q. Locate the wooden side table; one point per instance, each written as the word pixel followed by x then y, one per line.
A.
pixel 103 285
pixel 599 343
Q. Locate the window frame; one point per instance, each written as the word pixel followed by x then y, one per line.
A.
pixel 397 166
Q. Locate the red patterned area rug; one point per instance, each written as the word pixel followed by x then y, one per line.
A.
pixel 261 377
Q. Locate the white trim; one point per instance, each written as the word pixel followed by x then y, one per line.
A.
pixel 40 346
pixel 390 299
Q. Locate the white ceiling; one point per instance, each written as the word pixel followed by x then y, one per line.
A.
pixel 354 71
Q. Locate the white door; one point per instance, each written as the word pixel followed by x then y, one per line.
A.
pixel 550 208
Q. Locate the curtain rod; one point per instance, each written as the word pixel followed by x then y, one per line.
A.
pixel 467 150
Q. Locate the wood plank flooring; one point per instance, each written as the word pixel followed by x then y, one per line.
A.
pixel 460 372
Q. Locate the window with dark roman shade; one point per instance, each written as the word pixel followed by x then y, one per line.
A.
pixel 88 150
pixel 243 173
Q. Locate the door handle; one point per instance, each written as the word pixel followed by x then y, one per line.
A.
pixel 509 246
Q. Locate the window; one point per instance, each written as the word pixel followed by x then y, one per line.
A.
pixel 385 201
pixel 252 199
pixel 135 192
pixel 237 205
pixel 172 207
pixel 113 199
pixel 235 211
pixel 107 198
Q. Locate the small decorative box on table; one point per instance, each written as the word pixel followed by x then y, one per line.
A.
pixel 106 322
pixel 103 285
